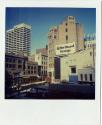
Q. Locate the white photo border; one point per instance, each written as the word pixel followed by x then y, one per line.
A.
pixel 51 112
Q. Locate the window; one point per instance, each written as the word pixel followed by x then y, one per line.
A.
pixel 19 61
pixel 31 67
pixel 13 60
pixel 66 30
pixel 54 36
pixel 34 67
pixel 90 77
pixel 85 77
pixel 19 66
pixel 66 24
pixel 90 53
pixel 81 77
pixel 13 66
pixel 71 18
pixel 10 66
pixel 73 69
pixel 66 37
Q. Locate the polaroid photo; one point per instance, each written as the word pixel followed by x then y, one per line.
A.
pixel 52 60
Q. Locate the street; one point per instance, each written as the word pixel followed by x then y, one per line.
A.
pixel 54 91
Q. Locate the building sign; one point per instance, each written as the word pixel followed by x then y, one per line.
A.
pixel 65 49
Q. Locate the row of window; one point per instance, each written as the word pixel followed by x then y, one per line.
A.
pixel 66 36
pixel 44 67
pixel 91 45
pixel 85 76
pixel 44 73
pixel 19 36
pixel 44 58
pixel 51 65
pixel 32 72
pixel 10 66
pixel 44 63
pixel 13 66
pixel 50 58
pixel 32 67
pixel 13 60
pixel 52 37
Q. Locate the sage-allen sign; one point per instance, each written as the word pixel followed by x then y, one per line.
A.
pixel 65 49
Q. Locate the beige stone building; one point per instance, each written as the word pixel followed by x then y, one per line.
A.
pixel 41 57
pixel 66 33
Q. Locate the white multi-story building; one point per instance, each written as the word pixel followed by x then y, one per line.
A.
pixel 18 39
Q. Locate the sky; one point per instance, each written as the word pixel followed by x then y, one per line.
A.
pixel 41 19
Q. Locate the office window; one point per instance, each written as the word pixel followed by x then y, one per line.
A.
pixel 19 61
pixel 34 67
pixel 73 69
pixel 49 74
pixel 10 65
pixel 13 66
pixel 31 67
pixel 85 77
pixel 90 77
pixel 66 30
pixel 90 53
pixel 28 67
pixel 54 36
pixel 19 66
pixel 66 37
pixel 81 77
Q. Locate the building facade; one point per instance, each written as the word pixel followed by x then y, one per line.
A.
pixel 90 43
pixel 41 57
pixel 18 39
pixel 82 62
pixel 86 75
pixel 15 63
pixel 20 66
pixel 69 33
pixel 30 73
